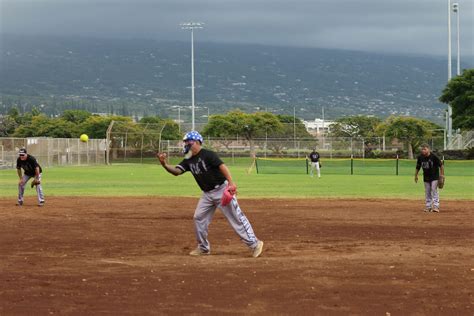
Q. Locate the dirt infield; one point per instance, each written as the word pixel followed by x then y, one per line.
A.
pixel 129 256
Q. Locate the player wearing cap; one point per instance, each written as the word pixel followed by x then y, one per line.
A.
pixel 214 178
pixel 31 169
pixel 314 159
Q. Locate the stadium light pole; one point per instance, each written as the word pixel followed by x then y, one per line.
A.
pixel 450 109
pixel 192 26
pixel 458 39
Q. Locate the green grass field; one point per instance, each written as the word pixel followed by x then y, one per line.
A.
pixel 151 179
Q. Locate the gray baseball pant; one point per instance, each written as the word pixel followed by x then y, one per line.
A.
pixel 431 194
pixel 21 188
pixel 315 165
pixel 205 210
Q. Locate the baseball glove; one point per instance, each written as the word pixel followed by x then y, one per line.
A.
pixel 441 182
pixel 320 165
pixel 228 195
pixel 35 182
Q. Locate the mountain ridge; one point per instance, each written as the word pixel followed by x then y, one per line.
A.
pixel 145 77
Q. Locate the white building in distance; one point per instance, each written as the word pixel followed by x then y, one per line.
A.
pixel 318 126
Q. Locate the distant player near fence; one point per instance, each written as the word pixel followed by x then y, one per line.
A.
pixel 432 166
pixel 215 180
pixel 314 159
pixel 31 169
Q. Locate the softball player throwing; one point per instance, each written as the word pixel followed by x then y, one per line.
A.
pixel 214 178
pixel 315 163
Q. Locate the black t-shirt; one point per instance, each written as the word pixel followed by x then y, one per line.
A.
pixel 29 165
pixel 430 165
pixel 314 156
pixel 205 168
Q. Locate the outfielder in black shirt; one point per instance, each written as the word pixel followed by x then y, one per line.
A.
pixel 432 167
pixel 315 163
pixel 31 169
pixel 314 156
pixel 29 165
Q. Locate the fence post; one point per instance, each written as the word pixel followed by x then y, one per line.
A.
pixel 352 148
pixel 108 142
pixel 58 149
pixel 125 147
pixel 352 164
pixel 363 148
pixel 232 151
pixel 78 151
pixel 396 166
pixel 87 148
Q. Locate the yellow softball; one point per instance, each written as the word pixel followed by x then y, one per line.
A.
pixel 84 138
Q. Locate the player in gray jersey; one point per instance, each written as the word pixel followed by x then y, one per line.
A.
pixel 214 178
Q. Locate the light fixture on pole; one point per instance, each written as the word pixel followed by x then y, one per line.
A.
pixel 450 109
pixel 192 26
pixel 458 40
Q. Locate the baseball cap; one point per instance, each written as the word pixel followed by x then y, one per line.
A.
pixel 22 152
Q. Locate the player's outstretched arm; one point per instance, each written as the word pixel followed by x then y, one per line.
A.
pixel 171 169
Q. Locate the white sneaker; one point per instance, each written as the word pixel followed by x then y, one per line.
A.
pixel 257 251
pixel 435 209
pixel 199 252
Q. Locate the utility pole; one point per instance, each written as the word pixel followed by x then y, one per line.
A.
pixel 192 26
pixel 450 109
pixel 458 38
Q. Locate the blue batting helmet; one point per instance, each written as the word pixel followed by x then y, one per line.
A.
pixel 193 135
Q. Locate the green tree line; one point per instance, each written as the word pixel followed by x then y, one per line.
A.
pixel 249 126
pixel 73 123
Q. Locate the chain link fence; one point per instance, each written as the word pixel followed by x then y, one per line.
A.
pixel 330 147
pixel 133 143
pixel 53 151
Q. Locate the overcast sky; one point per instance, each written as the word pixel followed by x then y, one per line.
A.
pixel 398 26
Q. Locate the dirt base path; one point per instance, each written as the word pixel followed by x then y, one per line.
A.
pixel 129 256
